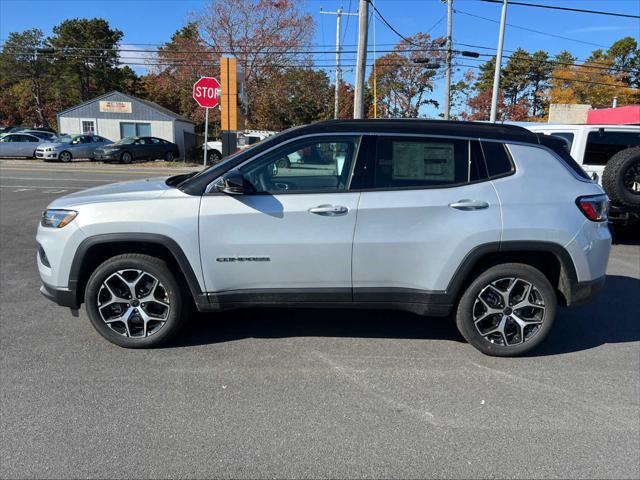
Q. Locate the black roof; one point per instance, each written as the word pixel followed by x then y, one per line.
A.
pixel 495 131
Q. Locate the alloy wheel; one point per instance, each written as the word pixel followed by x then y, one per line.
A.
pixel 65 157
pixel 631 178
pixel 133 303
pixel 509 311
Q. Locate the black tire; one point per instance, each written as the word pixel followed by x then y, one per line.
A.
pixel 213 157
pixel 126 158
pixel 174 296
pixel 168 157
pixel 534 334
pixel 621 177
pixel 65 156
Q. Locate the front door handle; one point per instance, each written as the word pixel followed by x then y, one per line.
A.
pixel 329 210
pixel 469 205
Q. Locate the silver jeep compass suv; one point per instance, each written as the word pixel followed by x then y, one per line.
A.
pixel 485 222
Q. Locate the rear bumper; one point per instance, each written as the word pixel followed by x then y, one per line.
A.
pixel 62 296
pixel 584 292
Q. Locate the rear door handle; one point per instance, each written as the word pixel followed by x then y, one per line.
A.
pixel 469 205
pixel 329 210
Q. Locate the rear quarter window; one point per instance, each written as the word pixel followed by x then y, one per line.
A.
pixel 497 158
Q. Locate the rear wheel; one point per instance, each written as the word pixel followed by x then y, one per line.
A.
pixel 507 311
pixel 65 156
pixel 126 157
pixel 134 301
pixel 168 157
pixel 621 177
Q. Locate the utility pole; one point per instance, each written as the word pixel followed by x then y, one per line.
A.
pixel 496 75
pixel 361 63
pixel 447 92
pixel 336 101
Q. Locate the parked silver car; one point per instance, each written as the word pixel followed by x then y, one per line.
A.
pixel 68 147
pixel 19 145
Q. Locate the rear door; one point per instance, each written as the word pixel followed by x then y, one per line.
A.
pixel 425 204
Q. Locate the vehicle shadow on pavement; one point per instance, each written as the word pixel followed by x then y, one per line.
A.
pixel 322 322
pixel 612 317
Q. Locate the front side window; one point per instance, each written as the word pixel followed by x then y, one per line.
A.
pixel 602 145
pixel 414 162
pixel 313 164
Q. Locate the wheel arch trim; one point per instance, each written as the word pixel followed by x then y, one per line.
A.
pixel 568 275
pixel 171 245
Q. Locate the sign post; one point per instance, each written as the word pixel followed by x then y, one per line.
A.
pixel 206 93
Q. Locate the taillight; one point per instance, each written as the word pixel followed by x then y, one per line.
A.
pixel 594 207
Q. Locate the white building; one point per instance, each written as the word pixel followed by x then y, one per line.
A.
pixel 116 115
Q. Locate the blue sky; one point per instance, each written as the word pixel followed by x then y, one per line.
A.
pixel 153 22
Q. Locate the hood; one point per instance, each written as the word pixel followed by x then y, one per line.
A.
pixel 115 192
pixel 47 144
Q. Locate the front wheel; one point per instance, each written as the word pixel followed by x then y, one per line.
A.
pixel 134 301
pixel 508 310
pixel 64 157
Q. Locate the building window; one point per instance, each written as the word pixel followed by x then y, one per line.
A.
pixel 130 129
pixel 88 127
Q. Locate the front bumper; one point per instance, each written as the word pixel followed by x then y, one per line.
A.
pixel 107 155
pixel 46 155
pixel 62 296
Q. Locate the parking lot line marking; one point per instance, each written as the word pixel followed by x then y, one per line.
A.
pixel 61 179
pixel 149 171
pixel 63 189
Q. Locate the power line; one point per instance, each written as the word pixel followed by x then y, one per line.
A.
pixel 531 29
pixel 555 7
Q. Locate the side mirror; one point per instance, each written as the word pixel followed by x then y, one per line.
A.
pixel 234 183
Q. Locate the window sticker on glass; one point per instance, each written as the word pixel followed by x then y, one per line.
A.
pixel 423 161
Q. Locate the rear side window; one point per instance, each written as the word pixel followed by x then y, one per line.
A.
pixel 414 162
pixel 498 160
pixel 602 145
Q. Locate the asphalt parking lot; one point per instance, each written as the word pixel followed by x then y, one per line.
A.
pixel 304 393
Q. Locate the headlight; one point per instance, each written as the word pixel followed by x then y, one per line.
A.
pixel 57 218
pixel 110 150
pixel 48 149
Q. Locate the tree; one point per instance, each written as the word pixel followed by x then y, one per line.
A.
pixel 297 96
pixel 460 95
pixel 485 77
pixel 21 64
pixel 590 83
pixel 405 77
pixel 514 81
pixel 87 56
pixel 625 60
pixel 480 107
pixel 261 34
pixel 180 63
pixel 538 76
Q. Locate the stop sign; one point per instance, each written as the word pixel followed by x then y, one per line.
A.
pixel 205 92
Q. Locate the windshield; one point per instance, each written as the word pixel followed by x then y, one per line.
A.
pixel 65 139
pixel 126 141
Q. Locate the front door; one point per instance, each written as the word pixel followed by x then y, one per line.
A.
pixel 291 239
pixel 429 204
